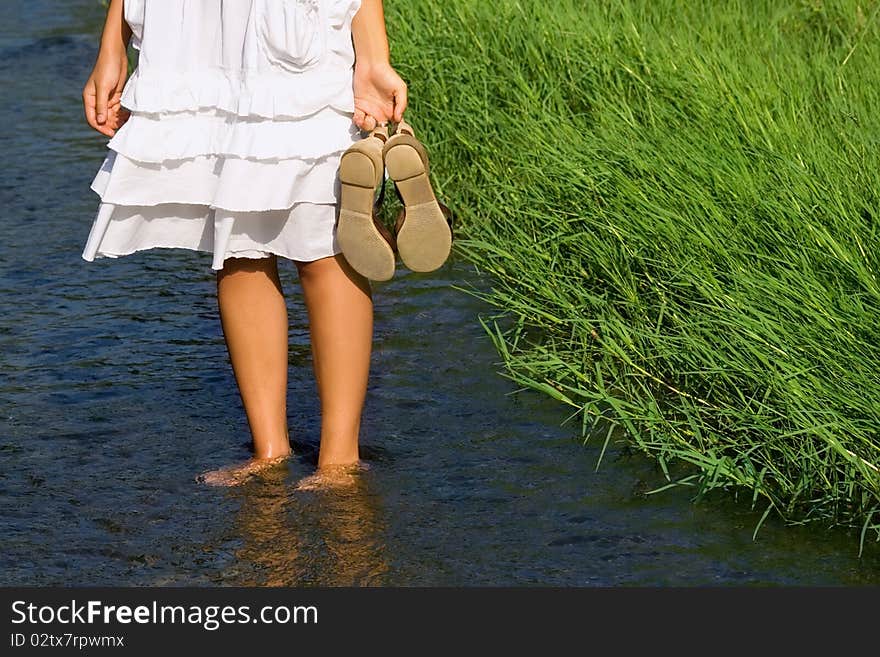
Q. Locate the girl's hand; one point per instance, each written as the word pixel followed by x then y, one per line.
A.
pixel 379 95
pixel 103 91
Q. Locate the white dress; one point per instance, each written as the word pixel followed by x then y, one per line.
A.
pixel 240 112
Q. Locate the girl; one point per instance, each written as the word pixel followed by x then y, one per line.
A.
pixel 227 139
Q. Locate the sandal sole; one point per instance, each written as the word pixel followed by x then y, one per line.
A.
pixel 424 240
pixel 363 246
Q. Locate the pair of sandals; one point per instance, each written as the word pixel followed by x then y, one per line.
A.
pixel 423 230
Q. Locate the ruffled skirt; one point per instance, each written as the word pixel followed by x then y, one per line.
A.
pixel 240 112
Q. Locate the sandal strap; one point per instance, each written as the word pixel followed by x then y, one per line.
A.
pixel 377 203
pixel 398 222
pixel 447 214
pixel 404 128
pixel 386 234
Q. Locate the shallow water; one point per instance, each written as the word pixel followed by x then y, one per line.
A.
pixel 116 391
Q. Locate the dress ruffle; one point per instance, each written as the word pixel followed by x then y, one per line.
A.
pixel 240 113
pixel 187 135
pixel 303 232
pixel 227 183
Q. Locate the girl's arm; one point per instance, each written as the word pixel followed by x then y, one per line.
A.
pixel 380 95
pixel 103 89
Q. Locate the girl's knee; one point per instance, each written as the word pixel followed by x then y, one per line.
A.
pixel 330 268
pixel 324 266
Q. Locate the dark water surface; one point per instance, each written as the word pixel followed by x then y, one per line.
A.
pixel 115 390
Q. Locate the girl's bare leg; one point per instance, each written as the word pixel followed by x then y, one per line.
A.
pixel 340 309
pixel 253 315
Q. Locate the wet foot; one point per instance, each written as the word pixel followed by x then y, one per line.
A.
pixel 238 473
pixel 333 476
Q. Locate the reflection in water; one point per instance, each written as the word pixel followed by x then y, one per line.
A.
pixel 289 537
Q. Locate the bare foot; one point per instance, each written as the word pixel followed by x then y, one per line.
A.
pixel 238 473
pixel 332 476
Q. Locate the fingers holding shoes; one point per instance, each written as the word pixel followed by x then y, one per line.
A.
pixel 370 123
pixel 366 122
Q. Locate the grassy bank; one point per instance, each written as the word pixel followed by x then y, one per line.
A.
pixel 678 204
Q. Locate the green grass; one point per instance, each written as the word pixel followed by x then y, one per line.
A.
pixel 677 203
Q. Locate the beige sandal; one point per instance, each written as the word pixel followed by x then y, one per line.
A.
pixel 424 231
pixel 366 244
